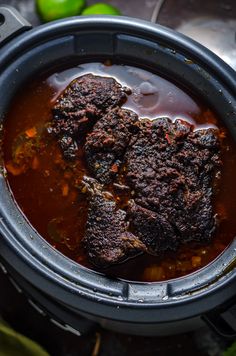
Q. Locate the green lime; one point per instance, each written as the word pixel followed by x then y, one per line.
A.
pixel 101 9
pixel 50 10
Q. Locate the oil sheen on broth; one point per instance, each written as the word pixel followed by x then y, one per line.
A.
pixel 45 185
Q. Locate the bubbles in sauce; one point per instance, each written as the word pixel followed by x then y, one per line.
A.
pixel 45 186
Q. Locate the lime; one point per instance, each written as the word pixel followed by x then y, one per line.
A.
pixel 50 10
pixel 101 9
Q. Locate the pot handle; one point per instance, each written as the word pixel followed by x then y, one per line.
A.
pixel 11 23
pixel 223 321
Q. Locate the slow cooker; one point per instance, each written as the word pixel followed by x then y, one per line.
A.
pixel 76 297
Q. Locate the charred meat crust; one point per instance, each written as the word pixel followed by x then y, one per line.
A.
pixel 152 228
pixel 169 167
pixel 107 238
pixel 81 104
pixel 106 144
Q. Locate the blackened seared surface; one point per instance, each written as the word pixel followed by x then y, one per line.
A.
pixel 171 169
pixel 107 239
pixel 155 231
pixel 81 104
pixel 167 168
pixel 106 144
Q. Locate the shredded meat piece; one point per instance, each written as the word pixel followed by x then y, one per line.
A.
pixel 81 104
pixel 106 144
pixel 107 238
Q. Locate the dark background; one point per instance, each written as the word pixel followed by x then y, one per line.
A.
pixel 15 308
pixel 18 312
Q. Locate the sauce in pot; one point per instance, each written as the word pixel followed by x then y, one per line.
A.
pixel 45 185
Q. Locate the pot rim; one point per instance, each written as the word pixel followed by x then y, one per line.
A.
pixel 65 279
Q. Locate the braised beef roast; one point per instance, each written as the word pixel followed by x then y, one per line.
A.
pixel 171 169
pixel 81 104
pixel 106 145
pixel 107 238
pixel 167 168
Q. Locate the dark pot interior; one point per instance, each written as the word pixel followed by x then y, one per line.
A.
pixel 44 271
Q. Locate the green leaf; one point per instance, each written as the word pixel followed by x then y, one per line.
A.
pixel 14 344
pixel 231 351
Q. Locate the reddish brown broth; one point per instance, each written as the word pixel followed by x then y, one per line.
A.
pixel 45 186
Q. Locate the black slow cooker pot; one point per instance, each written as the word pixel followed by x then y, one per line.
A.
pixel 71 294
